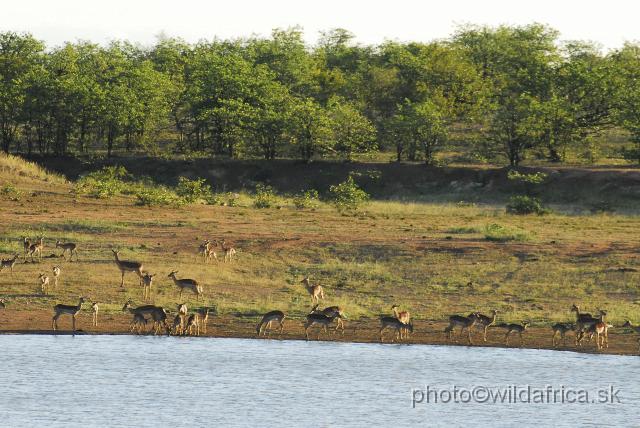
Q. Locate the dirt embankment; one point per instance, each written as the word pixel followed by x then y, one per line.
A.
pixel 619 187
pixel 360 331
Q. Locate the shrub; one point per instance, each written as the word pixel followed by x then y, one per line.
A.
pixel 104 183
pixel 11 192
pixel 193 190
pixel 348 196
pixel 307 199
pixel 522 205
pixel 499 233
pixel 265 197
pixel 158 196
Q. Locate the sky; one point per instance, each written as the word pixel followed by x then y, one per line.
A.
pixel 609 22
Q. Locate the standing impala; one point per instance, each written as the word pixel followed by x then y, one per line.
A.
pixel 66 309
pixel 9 263
pixel 127 266
pixel 465 323
pixel 315 291
pixel 56 275
pixel 26 244
pixel 37 247
pixel 189 284
pixel 228 250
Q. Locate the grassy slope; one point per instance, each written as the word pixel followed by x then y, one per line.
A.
pixel 432 259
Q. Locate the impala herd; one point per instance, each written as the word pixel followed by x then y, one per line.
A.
pixel 196 323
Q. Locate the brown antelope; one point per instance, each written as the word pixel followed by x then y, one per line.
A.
pixel 465 323
pixel 229 251
pixel 211 254
pixel 582 320
pixel 147 282
pixel 37 247
pixel 193 325
pixel 71 247
pixel 94 309
pixel 394 323
pixel 9 263
pixel 319 319
pixel 484 321
pixel 72 310
pixel 315 291
pixel 56 274
pixel 561 328
pixel 157 313
pixel 3 304
pixel 43 281
pixel 203 249
pixel 518 328
pixel 329 311
pixel 178 324
pixel 585 325
pixel 267 319
pixel 404 317
pixel 26 244
pixel 189 284
pixel 127 266
pixel 601 330
pixel 635 328
pixel 204 319
pixel 182 308
pixel 138 324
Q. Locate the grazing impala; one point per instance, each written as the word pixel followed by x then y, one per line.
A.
pixel 157 313
pixel 267 319
pixel 189 284
pixel 330 311
pixel 561 328
pixel 518 328
pixel 319 319
pixel 66 309
pixel 127 266
pixel 71 247
pixel 465 323
pixel 138 324
pixel 37 247
pixel 315 291
pixel 9 263
pixel 396 324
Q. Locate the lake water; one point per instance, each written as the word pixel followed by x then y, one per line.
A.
pixel 165 381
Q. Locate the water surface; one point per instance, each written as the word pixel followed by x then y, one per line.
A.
pixel 166 381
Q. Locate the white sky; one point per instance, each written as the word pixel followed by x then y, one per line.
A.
pixel 609 22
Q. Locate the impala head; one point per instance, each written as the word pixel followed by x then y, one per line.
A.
pixel 172 274
pixel 115 253
pixel 494 311
pixel 575 308
pixel 82 300
pixel 394 307
pixel 3 303
pixel 126 306
pixel 305 280
pixel 525 324
pixel 627 323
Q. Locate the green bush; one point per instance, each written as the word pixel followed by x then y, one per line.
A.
pixel 348 196
pixel 522 205
pixel 10 192
pixel 265 197
pixel 158 196
pixel 193 190
pixel 499 233
pixel 104 183
pixel 307 199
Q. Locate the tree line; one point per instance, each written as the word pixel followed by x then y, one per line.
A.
pixel 504 91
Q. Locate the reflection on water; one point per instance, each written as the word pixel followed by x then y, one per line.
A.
pixel 166 381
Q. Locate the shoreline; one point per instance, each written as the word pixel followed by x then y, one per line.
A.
pixel 360 331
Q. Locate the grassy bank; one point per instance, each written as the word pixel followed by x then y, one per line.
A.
pixel 433 259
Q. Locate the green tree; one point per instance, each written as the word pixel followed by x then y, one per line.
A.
pixel 353 133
